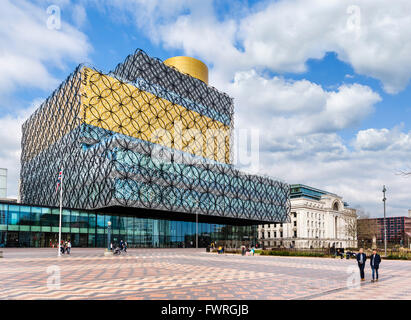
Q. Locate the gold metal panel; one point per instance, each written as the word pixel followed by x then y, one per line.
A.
pixel 190 66
pixel 123 108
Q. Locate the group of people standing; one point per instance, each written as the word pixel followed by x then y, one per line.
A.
pixel 246 251
pixel 65 247
pixel 375 261
pixel 122 246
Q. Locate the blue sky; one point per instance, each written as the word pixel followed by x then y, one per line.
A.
pixel 327 84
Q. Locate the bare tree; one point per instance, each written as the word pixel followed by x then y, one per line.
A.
pixel 362 214
pixel 351 228
pixel 367 228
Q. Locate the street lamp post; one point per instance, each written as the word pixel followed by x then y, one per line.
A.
pixel 197 205
pixel 385 224
pixel 196 230
pixel 108 235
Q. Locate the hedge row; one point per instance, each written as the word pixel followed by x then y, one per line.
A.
pixel 397 257
pixel 288 253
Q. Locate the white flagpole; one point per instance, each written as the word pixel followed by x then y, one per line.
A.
pixel 61 209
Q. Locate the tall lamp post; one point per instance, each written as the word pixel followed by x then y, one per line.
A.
pixel 196 230
pixel 197 204
pixel 108 235
pixel 385 224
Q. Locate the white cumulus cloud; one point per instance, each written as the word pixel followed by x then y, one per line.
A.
pixel 28 48
pixel 300 121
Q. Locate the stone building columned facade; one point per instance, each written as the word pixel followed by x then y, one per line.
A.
pixel 319 219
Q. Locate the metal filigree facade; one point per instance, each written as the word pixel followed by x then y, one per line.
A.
pixel 143 136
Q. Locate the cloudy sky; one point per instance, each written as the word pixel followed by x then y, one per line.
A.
pixel 327 83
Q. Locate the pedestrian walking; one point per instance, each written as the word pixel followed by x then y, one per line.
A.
pixel 62 247
pixel 361 258
pixel 125 246
pixel 68 247
pixel 375 261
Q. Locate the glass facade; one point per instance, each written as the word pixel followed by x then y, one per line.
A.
pixel 302 191
pixel 156 139
pixel 30 226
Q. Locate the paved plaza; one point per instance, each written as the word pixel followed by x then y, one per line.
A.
pixel 191 274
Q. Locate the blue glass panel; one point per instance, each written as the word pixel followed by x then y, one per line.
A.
pixel 115 222
pixel 122 221
pixel 100 221
pixel 36 216
pixel 65 219
pixel 92 220
pixel 14 212
pixel 83 220
pixel 24 217
pixel 3 213
pixel 75 219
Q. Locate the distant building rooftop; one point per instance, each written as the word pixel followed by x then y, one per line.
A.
pixel 304 191
pixel 8 200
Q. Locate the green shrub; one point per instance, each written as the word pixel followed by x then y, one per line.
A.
pixel 291 253
pixel 397 257
pixel 232 251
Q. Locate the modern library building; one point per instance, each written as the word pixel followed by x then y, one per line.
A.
pixel 146 147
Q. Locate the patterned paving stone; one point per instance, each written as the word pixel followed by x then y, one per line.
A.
pixel 168 274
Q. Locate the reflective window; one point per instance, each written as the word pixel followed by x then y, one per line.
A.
pixel 83 220
pixel 13 215
pixel 3 213
pixel 38 227
pixel 36 216
pixel 100 221
pixel 75 219
pixel 92 220
pixel 65 218
pixel 24 216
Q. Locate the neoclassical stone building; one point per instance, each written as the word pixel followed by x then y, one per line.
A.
pixel 318 219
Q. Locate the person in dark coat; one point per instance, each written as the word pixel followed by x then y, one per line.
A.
pixel 375 261
pixel 361 258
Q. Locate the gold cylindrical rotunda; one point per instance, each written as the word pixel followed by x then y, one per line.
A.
pixel 189 65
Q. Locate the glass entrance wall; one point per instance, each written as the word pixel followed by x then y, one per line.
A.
pixel 29 226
